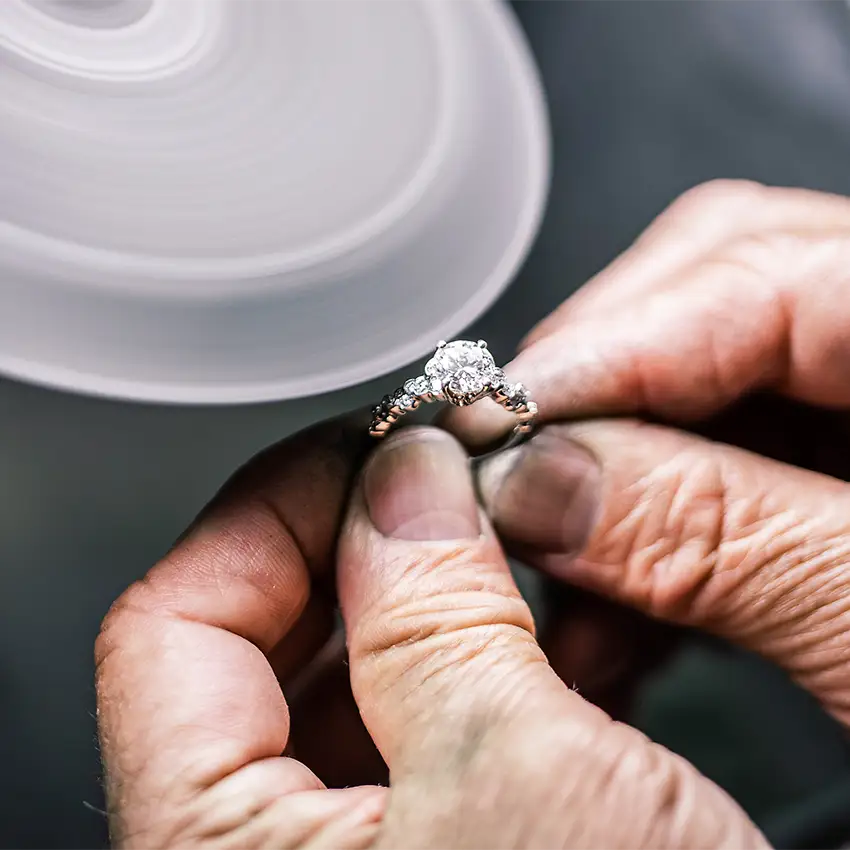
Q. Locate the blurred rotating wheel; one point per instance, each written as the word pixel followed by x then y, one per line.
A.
pixel 225 201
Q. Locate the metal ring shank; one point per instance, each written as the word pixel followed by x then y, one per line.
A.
pixel 403 401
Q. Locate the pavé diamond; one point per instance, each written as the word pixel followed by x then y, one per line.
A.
pixel 403 399
pixel 516 393
pixel 464 369
pixel 418 386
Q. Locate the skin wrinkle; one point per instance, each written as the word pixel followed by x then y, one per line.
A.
pixel 708 543
pixel 770 554
pixel 820 672
pixel 287 822
pixel 407 621
pixel 224 766
pixel 658 777
pixel 494 645
pixel 439 572
pixel 259 554
pixel 211 765
pixel 810 575
pixel 652 550
pixel 716 338
pixel 803 645
pixel 212 542
pixel 791 565
pixel 612 536
pixel 774 334
pixel 773 287
pixel 690 537
pixel 441 626
pixel 722 558
pixel 693 223
pixel 204 825
pixel 268 819
pixel 432 662
pixel 605 769
pixel 109 739
pixel 699 548
pixel 588 788
pixel 471 774
pixel 655 561
pixel 470 567
pixel 228 808
pixel 768 285
pixel 418 621
pixel 777 551
pixel 479 744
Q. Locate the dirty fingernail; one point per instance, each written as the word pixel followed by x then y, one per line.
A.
pixel 543 494
pixel 419 487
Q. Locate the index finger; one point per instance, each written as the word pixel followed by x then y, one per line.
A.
pixel 765 310
pixel 187 699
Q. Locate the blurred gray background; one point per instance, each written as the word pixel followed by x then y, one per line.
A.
pixel 646 99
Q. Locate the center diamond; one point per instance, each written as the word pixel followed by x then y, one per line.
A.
pixel 464 369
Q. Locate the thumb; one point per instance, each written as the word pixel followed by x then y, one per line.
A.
pixel 486 746
pixel 441 643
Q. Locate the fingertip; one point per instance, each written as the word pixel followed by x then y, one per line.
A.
pixel 418 486
pixel 543 494
pixel 415 491
pixel 427 596
pixel 478 427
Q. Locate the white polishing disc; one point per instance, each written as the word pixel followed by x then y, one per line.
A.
pixel 223 201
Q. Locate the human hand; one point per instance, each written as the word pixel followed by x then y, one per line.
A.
pixel 486 745
pixel 730 316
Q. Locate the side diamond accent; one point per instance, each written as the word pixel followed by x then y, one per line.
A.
pixel 403 399
pixel 460 373
pixel 418 386
pixel 516 393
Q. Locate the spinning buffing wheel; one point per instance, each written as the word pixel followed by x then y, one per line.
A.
pixel 220 202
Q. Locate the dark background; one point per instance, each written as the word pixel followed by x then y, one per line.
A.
pixel 647 99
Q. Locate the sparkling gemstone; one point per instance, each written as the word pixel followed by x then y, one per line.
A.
pixel 403 399
pixel 463 368
pixel 466 381
pixel 516 393
pixel 498 380
pixel 418 386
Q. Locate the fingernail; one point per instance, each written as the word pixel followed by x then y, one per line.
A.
pixel 544 494
pixel 418 487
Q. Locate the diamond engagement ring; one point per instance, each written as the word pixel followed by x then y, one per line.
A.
pixel 460 373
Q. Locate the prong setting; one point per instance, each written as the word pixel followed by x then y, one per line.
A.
pixel 460 373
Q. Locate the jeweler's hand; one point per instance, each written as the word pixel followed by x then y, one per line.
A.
pixel 486 745
pixel 730 316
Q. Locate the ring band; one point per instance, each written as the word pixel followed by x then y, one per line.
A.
pixel 460 373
